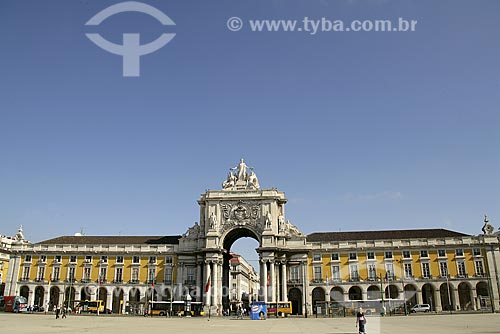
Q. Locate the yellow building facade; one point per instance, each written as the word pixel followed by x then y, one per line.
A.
pixel 318 273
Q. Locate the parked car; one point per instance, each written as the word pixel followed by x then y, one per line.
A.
pixel 421 308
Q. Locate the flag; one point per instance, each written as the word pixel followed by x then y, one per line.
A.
pixel 207 286
pixel 153 284
pixel 268 278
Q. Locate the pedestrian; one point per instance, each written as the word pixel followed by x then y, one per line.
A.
pixel 64 311
pixel 58 310
pixel 361 321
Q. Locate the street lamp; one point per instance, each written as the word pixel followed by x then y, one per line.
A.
pixel 403 285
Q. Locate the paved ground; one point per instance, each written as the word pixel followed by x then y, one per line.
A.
pixel 421 324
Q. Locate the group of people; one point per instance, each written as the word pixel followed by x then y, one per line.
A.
pixel 240 312
pixel 61 310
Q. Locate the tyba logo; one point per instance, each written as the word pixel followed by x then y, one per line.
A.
pixel 131 50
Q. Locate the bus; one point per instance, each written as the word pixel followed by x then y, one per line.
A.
pixel 162 308
pixel 284 308
pixel 157 308
pixel 86 306
pixel 13 304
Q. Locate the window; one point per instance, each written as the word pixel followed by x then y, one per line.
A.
pixel 317 273
pixel 151 275
pixel 190 274
pixel 335 256
pixel 443 269
pixel 119 274
pixel 461 269
pixel 41 274
pixel 135 275
pixel 169 260
pixel 136 259
pixel 119 259
pixel 88 258
pixel 441 253
pixel 26 273
pixel 152 259
pixel 372 271
pixel 408 270
pixel 104 259
pixel 353 256
pixel 43 258
pixel 56 273
pixel 27 258
pixel 168 275
pixel 295 274
pixel 353 270
pixel 479 268
pixel 86 273
pixel 459 252
pixel 317 257
pixel 424 253
pixel 72 259
pixel 477 251
pixel 234 291
pixel 389 270
pixel 71 274
pixel 388 255
pixel 103 271
pixel 426 270
pixel 336 273
pixel 370 256
pixel 406 255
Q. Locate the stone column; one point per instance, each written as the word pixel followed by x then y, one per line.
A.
pixel 456 299
pixel 305 284
pixel 125 300
pixel 109 301
pixel 61 296
pixel 30 298
pixel 273 281
pixel 215 276
pixel 263 280
pixel 364 294
pixel 77 294
pixel 437 300
pixel 418 296
pixel 473 298
pixel 206 274
pixel 284 291
pixel 180 280
pixel 199 280
pixel 11 281
pixel 93 294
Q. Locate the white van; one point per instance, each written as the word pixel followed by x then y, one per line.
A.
pixel 421 308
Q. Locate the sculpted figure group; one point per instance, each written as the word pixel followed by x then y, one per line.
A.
pixel 238 175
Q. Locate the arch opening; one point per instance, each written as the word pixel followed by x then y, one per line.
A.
pixel 240 269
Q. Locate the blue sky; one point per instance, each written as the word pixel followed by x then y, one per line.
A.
pixel 361 130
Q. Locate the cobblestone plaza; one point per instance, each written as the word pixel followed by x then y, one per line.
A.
pixel 429 324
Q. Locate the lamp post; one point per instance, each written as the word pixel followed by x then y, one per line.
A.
pixel 403 286
pixel 382 294
pixel 449 295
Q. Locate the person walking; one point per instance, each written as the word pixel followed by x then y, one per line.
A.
pixel 58 310
pixel 64 311
pixel 361 321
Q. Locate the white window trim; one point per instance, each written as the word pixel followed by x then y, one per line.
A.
pixel 422 269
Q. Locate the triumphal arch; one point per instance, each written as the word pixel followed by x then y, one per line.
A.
pixel 243 209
